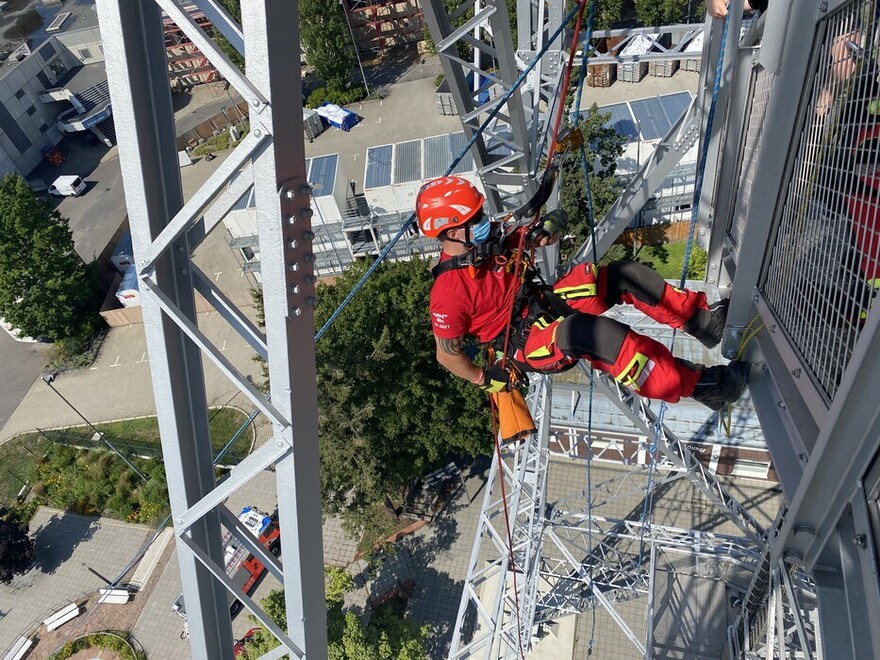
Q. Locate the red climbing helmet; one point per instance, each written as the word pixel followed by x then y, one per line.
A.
pixel 446 203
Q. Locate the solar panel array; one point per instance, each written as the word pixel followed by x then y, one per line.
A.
pixel 653 117
pixel 416 160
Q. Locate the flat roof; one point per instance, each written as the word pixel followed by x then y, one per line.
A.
pixel 416 160
pixel 649 117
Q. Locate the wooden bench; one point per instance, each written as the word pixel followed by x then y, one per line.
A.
pixel 19 649
pixel 62 616
pixel 114 596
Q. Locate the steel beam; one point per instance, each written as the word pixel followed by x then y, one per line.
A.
pixel 137 73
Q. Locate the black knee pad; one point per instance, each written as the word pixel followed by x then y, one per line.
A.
pixel 639 280
pixel 595 337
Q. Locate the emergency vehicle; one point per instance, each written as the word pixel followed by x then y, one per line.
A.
pixel 241 565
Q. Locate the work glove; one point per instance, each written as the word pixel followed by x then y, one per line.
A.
pixel 496 378
pixel 550 225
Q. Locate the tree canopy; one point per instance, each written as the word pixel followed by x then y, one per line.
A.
pixel 45 288
pixel 661 12
pixel 327 41
pixel 388 636
pixel 16 547
pixel 603 145
pixel 388 411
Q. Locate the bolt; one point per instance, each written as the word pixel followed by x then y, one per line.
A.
pixel 307 213
pixel 280 443
pixel 755 298
pixel 180 521
pixel 796 373
pixel 308 235
pixel 183 271
pixel 860 541
pixel 712 281
pixel 804 530
pixel 296 311
pixel 305 189
pixel 258 132
pixel 294 288
pixel 781 404
pixel 179 248
pixel 289 193
pixel 293 245
pixel 312 300
pixel 714 266
pixel 291 219
pixel 143 262
pixel 311 279
pixel 772 328
pixel 310 258
pixel 294 267
pixel 256 102
pixel 792 556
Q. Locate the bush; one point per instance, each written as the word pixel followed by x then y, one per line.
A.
pixel 340 97
pixel 222 141
pixel 112 641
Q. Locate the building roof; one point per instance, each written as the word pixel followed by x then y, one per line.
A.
pixel 652 117
pixel 416 160
pixel 321 176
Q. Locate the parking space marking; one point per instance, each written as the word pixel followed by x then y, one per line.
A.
pixel 93 368
pixel 115 364
pixel 143 358
pixel 217 275
pixel 224 345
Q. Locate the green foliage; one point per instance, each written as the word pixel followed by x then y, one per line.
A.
pixel 667 260
pixel 603 146
pixel 116 641
pixel 222 141
pixel 16 547
pixel 337 582
pixel 388 411
pixel 97 482
pixel 340 97
pixel 389 636
pixel 661 12
pixel 45 288
pixel 327 41
pixel 608 13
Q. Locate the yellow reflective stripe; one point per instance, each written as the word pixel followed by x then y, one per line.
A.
pixel 580 291
pixel 636 372
pixel 874 283
pixel 539 353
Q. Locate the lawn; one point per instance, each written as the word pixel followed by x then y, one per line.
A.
pixel 21 456
pixel 668 258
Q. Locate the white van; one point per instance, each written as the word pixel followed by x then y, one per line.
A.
pixel 69 185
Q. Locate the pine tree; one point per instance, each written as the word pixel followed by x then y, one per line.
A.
pixel 45 288
pixel 327 41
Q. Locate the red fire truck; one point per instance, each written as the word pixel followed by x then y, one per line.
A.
pixel 241 565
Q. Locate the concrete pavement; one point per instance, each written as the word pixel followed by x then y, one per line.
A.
pixel 22 363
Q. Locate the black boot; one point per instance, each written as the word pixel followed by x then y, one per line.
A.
pixel 707 325
pixel 721 385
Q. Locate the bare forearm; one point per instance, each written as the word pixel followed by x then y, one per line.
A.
pixel 450 356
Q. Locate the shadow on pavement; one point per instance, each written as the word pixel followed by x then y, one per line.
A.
pixel 57 538
pixel 80 158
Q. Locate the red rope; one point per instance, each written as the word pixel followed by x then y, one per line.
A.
pixel 510 556
pixel 557 124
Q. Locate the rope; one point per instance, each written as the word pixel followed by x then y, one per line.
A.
pixel 698 191
pixel 510 556
pixel 410 219
pixel 582 75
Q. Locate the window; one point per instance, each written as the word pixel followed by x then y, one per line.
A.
pixel 43 127
pixel 58 68
pixel 85 54
pixel 31 110
pixel 19 94
pixel 750 469
pixel 44 80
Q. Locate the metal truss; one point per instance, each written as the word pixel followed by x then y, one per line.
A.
pixel 498 602
pixel 476 52
pixel 165 231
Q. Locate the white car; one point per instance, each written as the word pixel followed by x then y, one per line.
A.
pixel 68 186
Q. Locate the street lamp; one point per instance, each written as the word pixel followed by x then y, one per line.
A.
pixel 48 378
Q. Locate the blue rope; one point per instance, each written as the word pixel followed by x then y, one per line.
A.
pixel 409 221
pixel 695 207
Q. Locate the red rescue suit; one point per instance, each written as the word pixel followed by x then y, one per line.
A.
pixel 476 301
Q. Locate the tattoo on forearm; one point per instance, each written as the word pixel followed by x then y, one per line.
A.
pixel 451 346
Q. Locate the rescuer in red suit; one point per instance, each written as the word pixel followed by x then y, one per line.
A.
pixel 553 328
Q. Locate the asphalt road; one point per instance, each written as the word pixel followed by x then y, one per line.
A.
pixel 22 364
